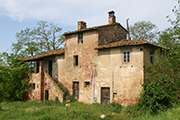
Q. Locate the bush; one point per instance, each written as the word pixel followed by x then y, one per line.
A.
pixel 66 93
pixel 161 88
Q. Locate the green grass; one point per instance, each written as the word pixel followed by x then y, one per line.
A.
pixel 51 110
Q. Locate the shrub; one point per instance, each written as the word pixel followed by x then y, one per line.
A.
pixel 66 93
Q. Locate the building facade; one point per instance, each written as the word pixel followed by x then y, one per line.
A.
pixel 98 64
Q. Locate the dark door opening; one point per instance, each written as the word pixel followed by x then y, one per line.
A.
pixel 50 68
pixel 46 95
pixel 105 95
pixel 76 90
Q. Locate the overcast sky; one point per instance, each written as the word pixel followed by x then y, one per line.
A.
pixel 16 15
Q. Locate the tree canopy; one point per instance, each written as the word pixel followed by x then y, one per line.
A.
pixel 46 36
pixel 143 30
pixel 13 77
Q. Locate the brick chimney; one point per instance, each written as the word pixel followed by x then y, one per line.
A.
pixel 112 18
pixel 81 25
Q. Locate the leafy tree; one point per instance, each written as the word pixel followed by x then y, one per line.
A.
pixel 13 77
pixel 46 36
pixel 143 30
pixel 161 88
pixel 167 38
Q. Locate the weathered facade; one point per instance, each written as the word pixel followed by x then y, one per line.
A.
pixel 98 64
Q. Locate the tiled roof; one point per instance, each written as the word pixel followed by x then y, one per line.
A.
pixel 126 43
pixel 42 55
pixel 92 28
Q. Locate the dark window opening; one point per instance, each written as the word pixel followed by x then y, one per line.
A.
pixel 80 38
pixel 76 60
pixel 126 56
pixel 37 67
pixel 50 68
pixel 76 90
pixel 33 86
pixel 46 94
pixel 151 57
pixel 86 84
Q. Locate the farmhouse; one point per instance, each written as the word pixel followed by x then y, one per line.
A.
pixel 98 64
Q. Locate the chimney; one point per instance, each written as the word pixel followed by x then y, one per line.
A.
pixel 81 25
pixel 112 18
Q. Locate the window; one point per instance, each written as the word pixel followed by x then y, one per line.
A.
pixel 33 86
pixel 37 67
pixel 76 60
pixel 126 56
pixel 86 84
pixel 80 38
pixel 151 57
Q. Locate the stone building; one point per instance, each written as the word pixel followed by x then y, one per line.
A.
pixel 98 64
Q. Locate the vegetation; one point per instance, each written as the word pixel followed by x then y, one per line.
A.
pixel 51 110
pixel 67 96
pixel 46 36
pixel 143 30
pixel 13 77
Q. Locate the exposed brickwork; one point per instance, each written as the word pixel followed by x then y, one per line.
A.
pixel 110 34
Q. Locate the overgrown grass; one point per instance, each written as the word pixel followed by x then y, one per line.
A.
pixel 53 110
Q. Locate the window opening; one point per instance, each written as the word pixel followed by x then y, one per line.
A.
pixel 80 38
pixel 33 86
pixel 76 60
pixel 86 84
pixel 37 67
pixel 151 57
pixel 126 56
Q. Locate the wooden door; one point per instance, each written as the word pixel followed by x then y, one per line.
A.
pixel 76 90
pixel 46 95
pixel 50 68
pixel 105 95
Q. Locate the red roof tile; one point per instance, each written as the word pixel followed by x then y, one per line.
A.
pixel 92 28
pixel 126 43
pixel 42 55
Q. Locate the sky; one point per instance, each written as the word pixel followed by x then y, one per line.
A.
pixel 17 15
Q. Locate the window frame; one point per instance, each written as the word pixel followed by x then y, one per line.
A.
pixel 125 57
pixel 86 84
pixel 80 38
pixel 76 60
pixel 151 53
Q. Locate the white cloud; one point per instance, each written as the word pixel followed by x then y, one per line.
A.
pixel 94 12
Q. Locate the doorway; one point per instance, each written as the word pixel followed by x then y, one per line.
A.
pixel 50 68
pixel 105 95
pixel 46 95
pixel 76 90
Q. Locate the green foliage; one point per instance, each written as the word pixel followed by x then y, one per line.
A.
pixel 13 77
pixel 50 110
pixel 66 93
pixel 143 30
pixel 46 36
pixel 161 88
pixel 167 38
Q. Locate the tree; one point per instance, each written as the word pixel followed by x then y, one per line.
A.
pixel 170 37
pixel 46 36
pixel 143 30
pixel 167 38
pixel 161 88
pixel 13 77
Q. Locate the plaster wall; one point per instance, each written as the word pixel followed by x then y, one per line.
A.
pixel 124 79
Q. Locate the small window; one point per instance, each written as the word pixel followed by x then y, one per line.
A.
pixel 80 38
pixel 76 60
pixel 86 84
pixel 151 57
pixel 126 56
pixel 37 67
pixel 33 86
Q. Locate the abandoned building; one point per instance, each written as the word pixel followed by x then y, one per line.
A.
pixel 98 64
